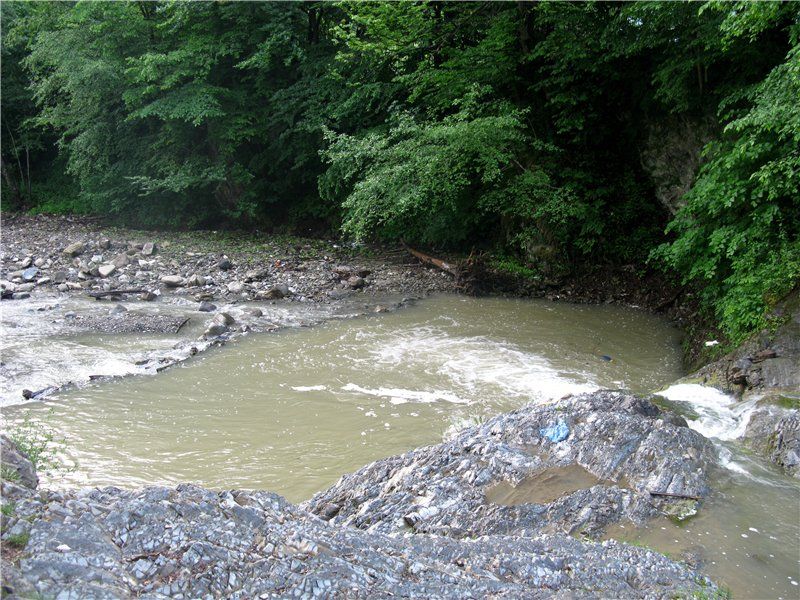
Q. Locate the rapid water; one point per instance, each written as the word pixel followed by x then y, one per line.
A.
pixel 291 411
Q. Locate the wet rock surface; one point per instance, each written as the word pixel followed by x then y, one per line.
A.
pixel 770 359
pixel 651 464
pixel 16 465
pixel 774 432
pixel 189 542
pixel 765 368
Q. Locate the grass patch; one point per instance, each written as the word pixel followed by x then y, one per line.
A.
pixel 18 541
pixel 9 473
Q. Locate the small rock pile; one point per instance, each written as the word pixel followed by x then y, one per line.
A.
pixel 64 255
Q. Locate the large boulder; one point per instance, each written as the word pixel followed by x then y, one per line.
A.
pixel 609 456
pixel 773 431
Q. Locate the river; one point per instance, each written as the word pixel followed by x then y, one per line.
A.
pixel 293 410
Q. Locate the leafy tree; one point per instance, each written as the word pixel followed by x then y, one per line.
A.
pixel 514 126
pixel 739 233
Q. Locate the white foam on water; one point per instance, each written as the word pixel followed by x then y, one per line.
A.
pixel 720 415
pixel 401 396
pixel 477 363
pixel 309 388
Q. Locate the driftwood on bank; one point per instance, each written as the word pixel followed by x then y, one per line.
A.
pixel 98 295
pixel 466 272
pixel 430 260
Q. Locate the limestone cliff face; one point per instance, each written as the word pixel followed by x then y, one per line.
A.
pixel 672 154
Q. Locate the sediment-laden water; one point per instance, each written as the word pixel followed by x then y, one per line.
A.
pixel 293 410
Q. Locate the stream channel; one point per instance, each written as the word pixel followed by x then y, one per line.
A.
pixel 292 410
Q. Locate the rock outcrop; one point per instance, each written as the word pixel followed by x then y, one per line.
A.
pixel 616 457
pixel 190 542
pixel 193 543
pixel 768 360
pixel 16 465
pixel 773 431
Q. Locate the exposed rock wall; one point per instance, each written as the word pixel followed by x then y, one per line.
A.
pixel 672 155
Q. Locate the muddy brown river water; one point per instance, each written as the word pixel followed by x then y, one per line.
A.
pixel 291 411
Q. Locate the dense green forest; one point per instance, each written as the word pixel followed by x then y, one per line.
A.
pixel 660 133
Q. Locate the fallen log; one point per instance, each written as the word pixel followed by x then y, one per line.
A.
pixel 436 262
pixel 98 295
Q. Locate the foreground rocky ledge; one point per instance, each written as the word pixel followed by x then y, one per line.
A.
pixel 190 542
pixel 614 457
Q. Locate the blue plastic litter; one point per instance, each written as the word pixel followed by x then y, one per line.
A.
pixel 556 433
pixel 30 273
pixel 605 357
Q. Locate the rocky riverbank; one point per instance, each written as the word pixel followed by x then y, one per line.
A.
pixel 67 254
pixel 765 372
pixel 221 283
pixel 424 524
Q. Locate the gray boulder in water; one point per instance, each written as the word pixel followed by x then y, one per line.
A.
pixel 774 432
pixel 608 456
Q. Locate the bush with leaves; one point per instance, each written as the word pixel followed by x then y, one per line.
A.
pixel 440 182
pixel 739 234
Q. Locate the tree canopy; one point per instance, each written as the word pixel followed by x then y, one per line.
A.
pixel 605 132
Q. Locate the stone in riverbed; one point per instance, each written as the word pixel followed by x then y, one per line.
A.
pixel 356 282
pixel 118 310
pixel 30 274
pixel 74 249
pixel 224 264
pixel 274 293
pixel 104 243
pixel 59 276
pixel 206 307
pixel 235 287
pixel 121 260
pixel 172 280
pixel 106 270
pixel 196 281
pixel 26 262
pixel 253 311
pixel 148 249
pixel 224 319
pixel 215 329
